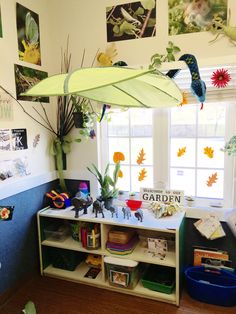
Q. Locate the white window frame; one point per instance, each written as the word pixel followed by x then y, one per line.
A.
pixel 161 162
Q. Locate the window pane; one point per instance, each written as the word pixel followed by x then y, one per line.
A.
pixel 119 145
pixel 182 152
pixel 147 182
pixel 119 125
pixel 183 179
pixel 214 191
pixel 141 122
pixel 212 146
pixel 183 121
pixel 137 144
pixel 211 120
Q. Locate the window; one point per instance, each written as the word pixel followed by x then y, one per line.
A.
pixel 201 169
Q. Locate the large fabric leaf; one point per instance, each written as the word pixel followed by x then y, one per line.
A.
pixel 113 85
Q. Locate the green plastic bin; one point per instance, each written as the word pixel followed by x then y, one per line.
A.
pixel 159 278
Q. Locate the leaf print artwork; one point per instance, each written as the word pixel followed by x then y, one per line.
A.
pixel 209 152
pixel 142 174
pixel 212 179
pixel 140 158
pixel 181 151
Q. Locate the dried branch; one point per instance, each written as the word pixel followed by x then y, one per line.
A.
pixel 145 23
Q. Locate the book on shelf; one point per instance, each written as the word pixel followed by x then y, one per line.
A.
pixel 199 254
pixel 210 227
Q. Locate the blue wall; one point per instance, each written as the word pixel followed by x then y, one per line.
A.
pixel 18 237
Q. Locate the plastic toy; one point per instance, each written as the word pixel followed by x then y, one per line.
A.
pixel 198 87
pixel 58 200
pixel 98 207
pixel 114 210
pixel 81 202
pixel 127 212
pixel 139 215
pixel 94 260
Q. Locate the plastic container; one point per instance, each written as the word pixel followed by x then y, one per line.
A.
pixel 133 204
pixel 56 232
pixel 159 278
pixel 122 272
pixel 65 259
pixel 211 286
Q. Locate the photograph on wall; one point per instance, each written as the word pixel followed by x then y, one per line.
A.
pixel 5 140
pixel 6 107
pixel 191 16
pixel 131 20
pixel 0 22
pixel 12 168
pixel 28 35
pixel 25 78
pixel 19 139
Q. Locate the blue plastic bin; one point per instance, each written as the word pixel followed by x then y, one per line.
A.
pixel 211 286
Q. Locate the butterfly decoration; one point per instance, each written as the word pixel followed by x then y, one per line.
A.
pixel 209 152
pixel 181 151
pixel 142 174
pixel 141 157
pixel 212 179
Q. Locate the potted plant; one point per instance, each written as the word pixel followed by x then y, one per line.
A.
pixel 132 195
pixel 107 183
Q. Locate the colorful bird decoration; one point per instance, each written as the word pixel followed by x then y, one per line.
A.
pixel 209 152
pixel 220 78
pixel 198 86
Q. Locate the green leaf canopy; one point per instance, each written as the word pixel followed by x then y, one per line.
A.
pixel 113 85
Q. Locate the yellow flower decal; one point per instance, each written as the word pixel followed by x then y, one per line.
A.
pixel 181 151
pixel 118 156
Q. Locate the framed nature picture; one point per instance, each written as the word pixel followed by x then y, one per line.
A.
pixel 28 35
pixel 25 78
pixel 190 16
pixel 131 20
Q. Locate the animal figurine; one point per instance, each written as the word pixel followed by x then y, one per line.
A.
pixel 139 215
pixel 217 26
pixel 127 212
pixel 98 207
pixel 81 202
pixel 114 211
pixel 198 87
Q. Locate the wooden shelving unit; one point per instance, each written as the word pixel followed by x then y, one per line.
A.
pixel 164 227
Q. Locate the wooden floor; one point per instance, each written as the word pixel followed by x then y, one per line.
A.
pixel 52 296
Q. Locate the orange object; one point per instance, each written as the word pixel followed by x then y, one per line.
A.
pixel 140 158
pixel 212 179
pixel 134 204
pixel 118 156
pixel 142 174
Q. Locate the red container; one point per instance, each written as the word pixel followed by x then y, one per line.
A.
pixel 134 204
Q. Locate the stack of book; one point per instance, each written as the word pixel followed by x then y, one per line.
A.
pixel 212 258
pixel 210 227
pixel 121 242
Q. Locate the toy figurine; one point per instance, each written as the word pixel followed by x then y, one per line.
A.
pixel 139 214
pixel 81 202
pixel 58 199
pixel 127 212
pixel 98 207
pixel 114 210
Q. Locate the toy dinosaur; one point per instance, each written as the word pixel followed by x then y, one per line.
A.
pixel 198 86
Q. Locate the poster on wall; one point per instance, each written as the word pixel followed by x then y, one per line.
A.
pixel 0 22
pixel 19 139
pixel 131 20
pixel 191 16
pixel 5 140
pixel 12 168
pixel 25 78
pixel 28 35
pixel 6 107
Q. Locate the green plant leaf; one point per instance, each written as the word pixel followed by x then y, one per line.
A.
pixel 29 308
pixel 31 29
pixel 148 4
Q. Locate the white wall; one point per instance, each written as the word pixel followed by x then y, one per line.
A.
pixel 41 163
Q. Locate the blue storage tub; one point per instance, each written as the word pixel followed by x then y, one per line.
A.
pixel 211 286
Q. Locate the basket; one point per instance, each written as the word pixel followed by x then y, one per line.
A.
pixel 159 278
pixel 211 286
